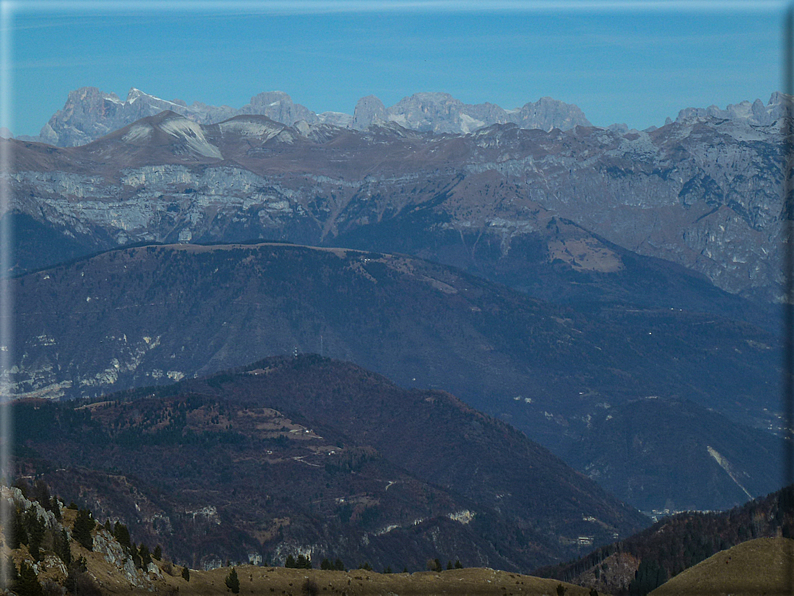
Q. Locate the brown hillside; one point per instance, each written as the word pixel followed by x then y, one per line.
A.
pixel 761 566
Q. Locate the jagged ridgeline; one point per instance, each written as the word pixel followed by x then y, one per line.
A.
pixel 321 458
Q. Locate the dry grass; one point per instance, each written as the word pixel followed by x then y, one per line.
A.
pixel 755 568
pixel 280 581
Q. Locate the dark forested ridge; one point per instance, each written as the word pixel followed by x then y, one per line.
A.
pixel 679 542
pixel 315 454
pixel 147 315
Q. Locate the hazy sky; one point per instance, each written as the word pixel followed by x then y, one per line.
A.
pixel 632 62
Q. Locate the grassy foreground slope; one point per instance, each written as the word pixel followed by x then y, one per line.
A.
pixel 457 582
pixel 760 566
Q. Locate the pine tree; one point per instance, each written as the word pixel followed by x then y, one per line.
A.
pixel 290 562
pixel 122 534
pixel 83 525
pixel 233 582
pixel 146 558
pixel 186 574
pixel 16 529
pixel 338 565
pixel 62 548
pixel 27 583
pixel 158 552
pixel 35 530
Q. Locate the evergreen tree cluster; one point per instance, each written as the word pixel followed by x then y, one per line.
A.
pixel 27 529
pixel 302 562
pixel 27 583
pixel 337 565
pixel 650 576
pixel 677 543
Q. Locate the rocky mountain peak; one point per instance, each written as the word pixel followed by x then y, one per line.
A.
pixel 548 113
pixel 279 106
pixel 135 93
pixel 368 110
pixel 754 114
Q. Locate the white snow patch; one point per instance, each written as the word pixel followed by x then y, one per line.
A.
pixel 246 128
pixel 137 132
pixel 192 134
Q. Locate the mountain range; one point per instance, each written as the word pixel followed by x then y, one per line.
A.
pixel 702 193
pixel 140 316
pixel 610 293
pixel 90 113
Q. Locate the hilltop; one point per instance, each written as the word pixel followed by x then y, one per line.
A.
pixel 307 455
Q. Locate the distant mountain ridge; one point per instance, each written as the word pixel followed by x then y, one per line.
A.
pixel 89 114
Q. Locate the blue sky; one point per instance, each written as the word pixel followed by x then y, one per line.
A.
pixel 633 62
